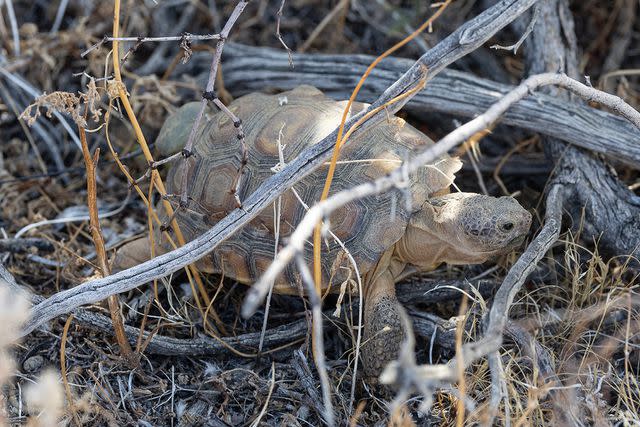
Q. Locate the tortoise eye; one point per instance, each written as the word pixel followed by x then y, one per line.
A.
pixel 507 226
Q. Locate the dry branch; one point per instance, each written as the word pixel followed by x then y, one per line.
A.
pixel 98 241
pixel 467 38
pixel 248 69
pixel 210 95
pixel 169 346
pixel 606 211
pixel 203 345
pixel 184 37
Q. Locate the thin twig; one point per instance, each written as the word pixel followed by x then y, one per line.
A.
pixel 66 220
pixel 516 45
pixel 279 17
pixel 277 209
pixel 63 369
pixel 272 384
pixel 210 95
pixel 318 341
pixel 62 7
pixel 14 27
pixel 98 241
pixel 512 283
pixel 189 37
pixel 319 28
pixel 244 152
pixel 462 384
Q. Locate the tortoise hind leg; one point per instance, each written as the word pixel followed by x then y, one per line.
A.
pixel 383 329
pixel 133 253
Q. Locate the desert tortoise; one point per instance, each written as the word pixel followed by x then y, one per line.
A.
pixel 410 229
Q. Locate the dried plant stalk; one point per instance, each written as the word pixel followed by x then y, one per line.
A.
pixel 98 241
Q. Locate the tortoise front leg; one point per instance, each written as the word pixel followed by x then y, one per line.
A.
pixel 383 330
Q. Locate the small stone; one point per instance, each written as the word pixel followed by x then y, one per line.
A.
pixel 33 364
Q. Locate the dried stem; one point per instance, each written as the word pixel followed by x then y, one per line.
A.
pixel 279 17
pixel 63 368
pixel 98 241
pixel 514 47
pixel 210 95
pixel 342 4
pixel 318 341
pixel 138 40
pixel 14 27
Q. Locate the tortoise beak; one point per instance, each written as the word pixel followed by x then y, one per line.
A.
pixel 517 241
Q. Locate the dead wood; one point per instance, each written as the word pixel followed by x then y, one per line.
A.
pixel 599 204
pixel 28 244
pixel 169 346
pixel 422 291
pixel 248 69
pixel 464 40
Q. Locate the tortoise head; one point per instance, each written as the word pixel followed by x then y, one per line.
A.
pixel 472 228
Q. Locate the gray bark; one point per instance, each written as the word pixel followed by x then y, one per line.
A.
pixel 248 69
pixel 610 212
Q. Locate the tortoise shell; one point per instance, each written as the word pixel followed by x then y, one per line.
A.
pixel 292 121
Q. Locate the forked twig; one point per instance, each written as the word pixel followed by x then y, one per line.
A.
pixel 279 15
pixel 210 95
pixel 514 47
pixel 98 240
pixel 150 39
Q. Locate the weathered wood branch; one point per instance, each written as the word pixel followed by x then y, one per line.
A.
pixel 248 69
pixel 420 291
pixel 605 210
pixel 170 346
pixel 468 37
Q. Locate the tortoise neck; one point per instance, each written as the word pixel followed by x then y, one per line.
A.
pixel 421 249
